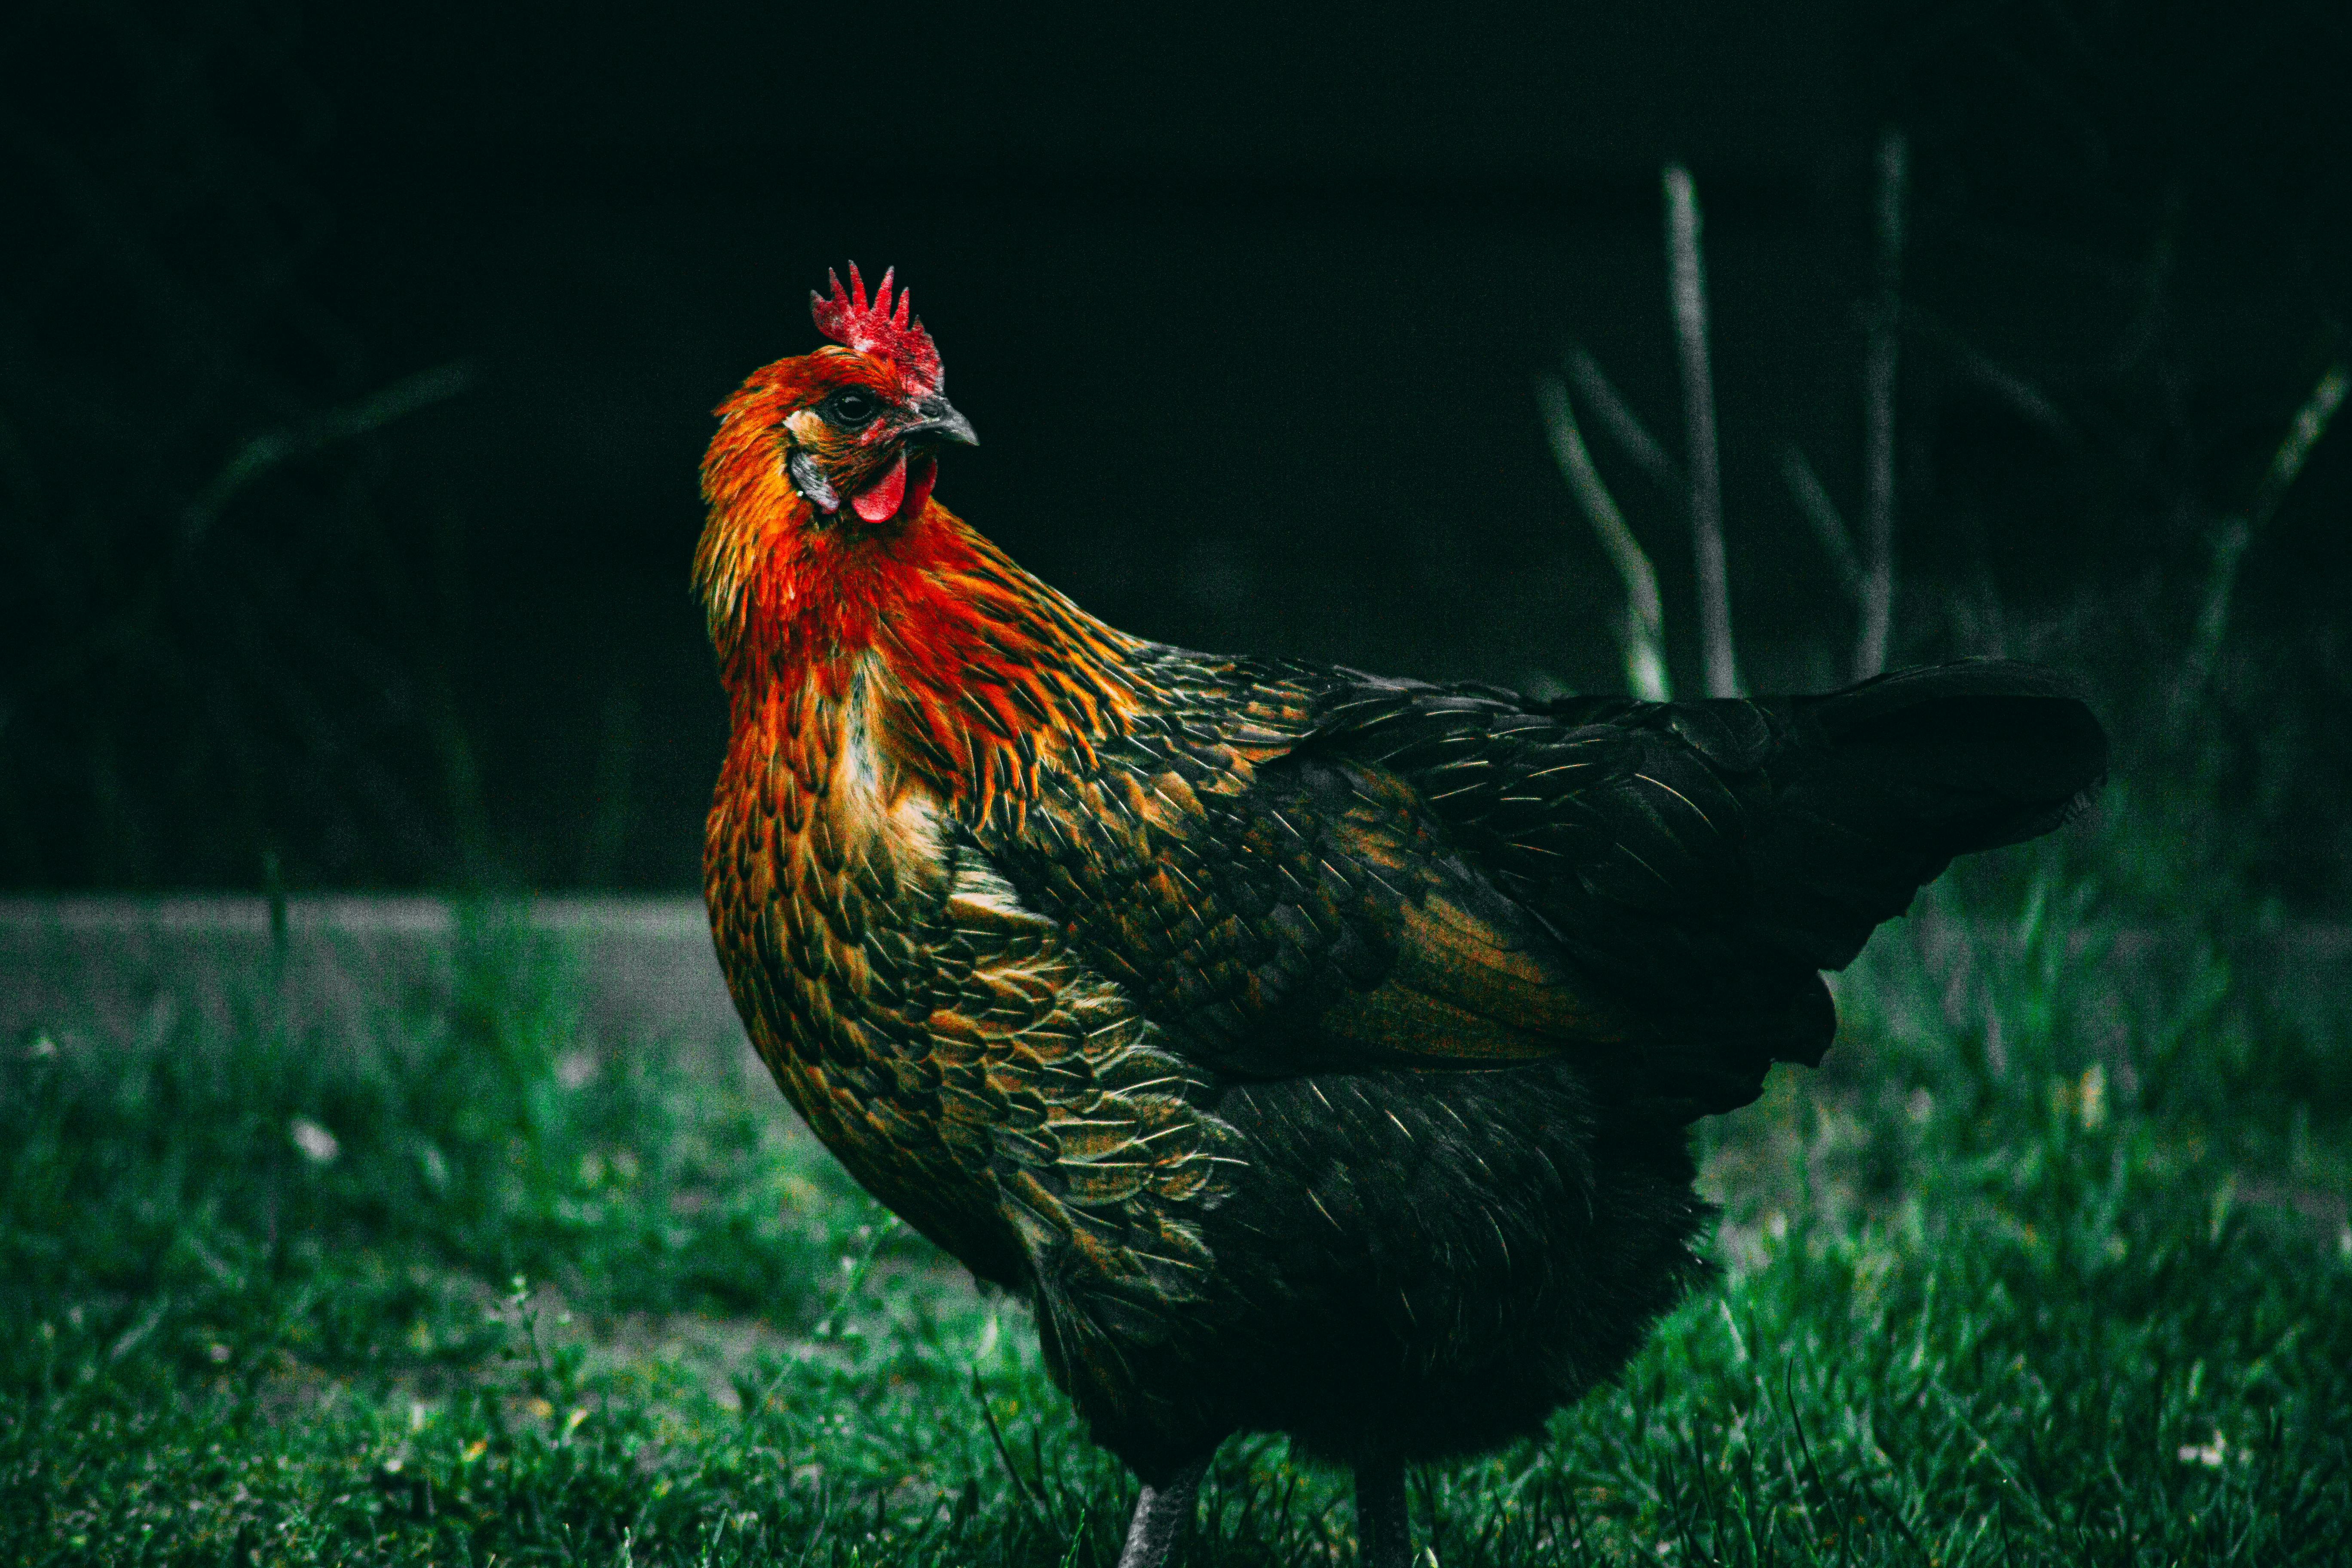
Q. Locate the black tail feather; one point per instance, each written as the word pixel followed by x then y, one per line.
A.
pixel 1887 782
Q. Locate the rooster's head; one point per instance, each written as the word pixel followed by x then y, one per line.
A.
pixel 826 570
pixel 852 428
pixel 819 478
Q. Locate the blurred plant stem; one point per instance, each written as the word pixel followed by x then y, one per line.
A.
pixel 1625 427
pixel 1828 527
pixel 2236 533
pixel 1876 581
pixel 453 746
pixel 1641 634
pixel 1686 283
pixel 610 811
pixel 288 443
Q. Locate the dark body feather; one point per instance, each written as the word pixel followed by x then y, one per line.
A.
pixel 1314 1051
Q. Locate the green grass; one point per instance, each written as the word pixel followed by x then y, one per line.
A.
pixel 2049 1266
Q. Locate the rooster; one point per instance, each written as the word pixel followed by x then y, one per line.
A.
pixel 1315 1051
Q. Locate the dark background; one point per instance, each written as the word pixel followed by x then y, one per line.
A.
pixel 356 361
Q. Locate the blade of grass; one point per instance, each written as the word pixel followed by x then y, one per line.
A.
pixel 1029 1498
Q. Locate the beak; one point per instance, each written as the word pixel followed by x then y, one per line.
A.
pixel 940 422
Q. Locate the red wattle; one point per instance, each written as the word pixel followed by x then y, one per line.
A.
pixel 880 503
pixel 922 474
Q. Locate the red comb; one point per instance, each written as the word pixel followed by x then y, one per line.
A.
pixel 896 336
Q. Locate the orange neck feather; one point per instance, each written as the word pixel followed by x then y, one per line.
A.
pixel 983 669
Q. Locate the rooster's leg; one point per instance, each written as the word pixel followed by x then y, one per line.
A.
pixel 1383 1531
pixel 1160 1513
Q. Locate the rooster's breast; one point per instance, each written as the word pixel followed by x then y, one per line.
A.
pixel 949 1046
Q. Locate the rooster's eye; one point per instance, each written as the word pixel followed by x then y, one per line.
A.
pixel 849 408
